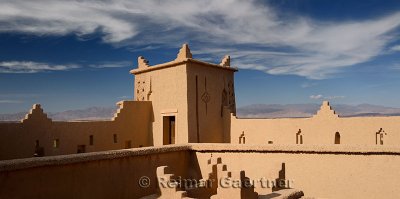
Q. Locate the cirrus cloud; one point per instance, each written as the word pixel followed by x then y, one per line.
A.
pixel 31 67
pixel 319 97
pixel 395 48
pixel 253 33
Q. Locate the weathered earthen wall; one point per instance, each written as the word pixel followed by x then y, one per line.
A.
pixel 328 172
pixel 318 130
pixel 209 91
pixel 322 172
pixel 92 175
pixel 166 89
pixel 130 125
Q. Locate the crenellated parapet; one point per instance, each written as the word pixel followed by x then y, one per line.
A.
pixel 184 53
pixel 36 114
pixel 184 56
pixel 142 62
pixel 226 61
pixel 326 111
pixel 123 109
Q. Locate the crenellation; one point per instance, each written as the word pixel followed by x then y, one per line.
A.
pixel 142 63
pixel 326 111
pixel 36 114
pixel 226 61
pixel 184 53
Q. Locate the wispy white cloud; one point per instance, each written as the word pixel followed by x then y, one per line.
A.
pixel 31 67
pixel 20 95
pixel 34 67
pixel 395 48
pixel 253 33
pixel 308 84
pixel 10 101
pixel 116 64
pixel 396 66
pixel 316 96
pixel 319 97
pixel 124 97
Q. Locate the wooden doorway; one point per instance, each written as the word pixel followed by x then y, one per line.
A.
pixel 168 130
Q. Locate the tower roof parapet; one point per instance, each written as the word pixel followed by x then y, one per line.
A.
pixel 183 56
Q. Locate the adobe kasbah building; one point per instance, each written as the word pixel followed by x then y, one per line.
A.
pixel 179 138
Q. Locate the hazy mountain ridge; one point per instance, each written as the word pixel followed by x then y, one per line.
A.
pixel 92 113
pixel 250 111
pixel 307 110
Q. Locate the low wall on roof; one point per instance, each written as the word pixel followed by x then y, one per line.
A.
pixel 320 171
pixel 113 174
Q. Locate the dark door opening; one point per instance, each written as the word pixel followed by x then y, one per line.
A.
pixel 128 144
pixel 39 151
pixel 168 130
pixel 81 149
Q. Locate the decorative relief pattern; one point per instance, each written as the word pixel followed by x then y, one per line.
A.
pixel 142 90
pixel 231 94
pixel 224 100
pixel 205 97
pixel 150 91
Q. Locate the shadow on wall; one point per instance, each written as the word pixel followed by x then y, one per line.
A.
pixel 247 191
pixel 151 133
pixel 281 180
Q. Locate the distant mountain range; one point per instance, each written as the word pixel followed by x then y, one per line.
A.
pixel 250 111
pixel 307 110
pixel 92 113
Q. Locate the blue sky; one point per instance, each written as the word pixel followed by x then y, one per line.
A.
pixel 77 54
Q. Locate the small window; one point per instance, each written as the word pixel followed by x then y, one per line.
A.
pixel 56 143
pixel 270 142
pixel 115 138
pixel 299 137
pixel 337 138
pixel 91 141
pixel 242 138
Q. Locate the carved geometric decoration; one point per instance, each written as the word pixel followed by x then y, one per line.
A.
pixel 224 100
pixel 231 94
pixel 140 89
pixel 205 97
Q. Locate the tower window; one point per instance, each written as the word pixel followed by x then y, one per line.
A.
pixel 91 140
pixel 115 137
pixel 56 143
